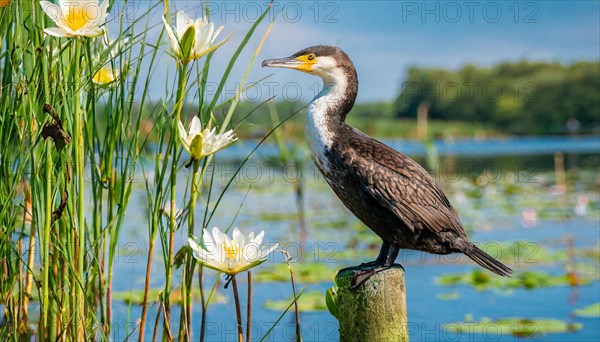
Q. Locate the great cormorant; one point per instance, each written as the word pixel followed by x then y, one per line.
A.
pixel 386 190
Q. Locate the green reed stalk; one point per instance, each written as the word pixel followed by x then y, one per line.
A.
pixel 46 243
pixel 48 205
pixel 109 176
pixel 238 311
pixel 79 177
pixel 203 302
pixel 188 269
pixel 154 212
pixel 94 295
pixel 96 240
pixel 249 308
pixel 182 72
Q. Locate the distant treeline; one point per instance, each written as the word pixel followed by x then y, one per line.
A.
pixel 524 98
pixel 515 98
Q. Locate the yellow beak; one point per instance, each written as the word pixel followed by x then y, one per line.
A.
pixel 296 63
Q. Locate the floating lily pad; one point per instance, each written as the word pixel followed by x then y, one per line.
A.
pixel 592 310
pixel 274 216
pixel 591 253
pixel 350 254
pixel 521 327
pixel 533 254
pixel 527 252
pixel 137 297
pixel 309 301
pixel 482 280
pixel 364 237
pixel 341 223
pixel 303 273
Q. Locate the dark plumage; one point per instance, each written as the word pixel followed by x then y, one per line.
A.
pixel 386 190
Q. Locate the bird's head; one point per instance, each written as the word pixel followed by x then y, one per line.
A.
pixel 327 62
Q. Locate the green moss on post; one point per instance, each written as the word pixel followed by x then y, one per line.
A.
pixel 376 311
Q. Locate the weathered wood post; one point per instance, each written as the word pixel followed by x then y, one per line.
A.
pixel 375 311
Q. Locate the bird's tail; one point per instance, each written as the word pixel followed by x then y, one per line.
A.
pixel 486 261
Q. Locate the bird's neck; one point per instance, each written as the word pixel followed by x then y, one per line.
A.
pixel 337 97
pixel 327 111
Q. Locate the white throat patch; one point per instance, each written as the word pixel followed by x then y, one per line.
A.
pixel 319 135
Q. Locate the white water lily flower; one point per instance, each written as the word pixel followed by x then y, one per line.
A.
pixel 190 40
pixel 231 256
pixel 213 141
pixel 201 143
pixel 76 17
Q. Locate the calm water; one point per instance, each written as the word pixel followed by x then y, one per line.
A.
pixel 504 192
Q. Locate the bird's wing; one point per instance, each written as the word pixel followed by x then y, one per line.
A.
pixel 401 185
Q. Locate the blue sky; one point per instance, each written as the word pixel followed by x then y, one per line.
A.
pixel 384 38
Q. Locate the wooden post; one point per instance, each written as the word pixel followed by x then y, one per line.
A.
pixel 376 311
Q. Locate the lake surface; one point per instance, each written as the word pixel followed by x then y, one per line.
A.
pixel 504 190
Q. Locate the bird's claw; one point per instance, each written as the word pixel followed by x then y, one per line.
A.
pixel 360 277
pixel 370 264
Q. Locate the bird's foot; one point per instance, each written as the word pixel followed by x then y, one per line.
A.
pixel 360 277
pixel 370 263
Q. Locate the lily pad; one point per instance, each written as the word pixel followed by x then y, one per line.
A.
pixel 592 310
pixel 482 280
pixel 303 273
pixel 137 297
pixel 275 217
pixel 529 253
pixel 591 253
pixel 520 327
pixel 310 301
pixel 351 254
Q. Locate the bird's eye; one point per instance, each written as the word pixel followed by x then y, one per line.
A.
pixel 311 56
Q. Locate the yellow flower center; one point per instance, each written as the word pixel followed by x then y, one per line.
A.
pixel 104 76
pixel 76 18
pixel 196 147
pixel 231 250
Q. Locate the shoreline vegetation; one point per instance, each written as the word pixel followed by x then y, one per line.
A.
pixel 384 126
pixel 523 98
